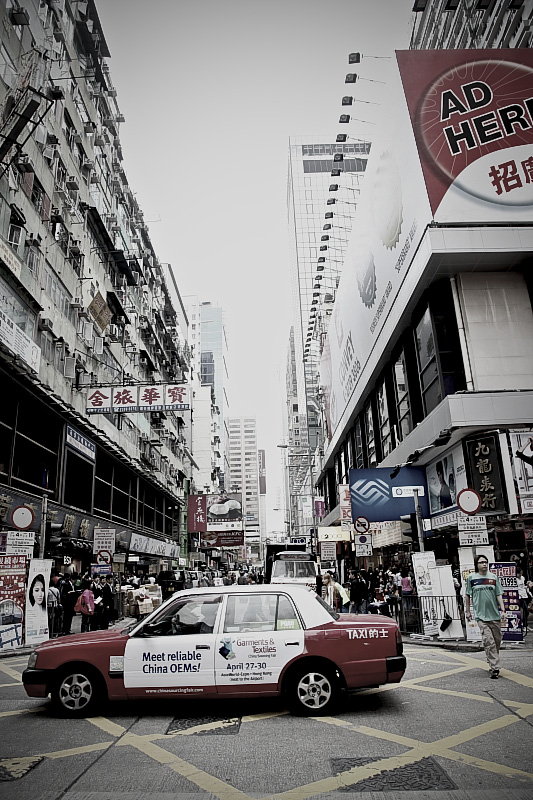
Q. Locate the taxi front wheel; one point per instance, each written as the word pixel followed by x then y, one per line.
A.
pixel 77 691
pixel 313 690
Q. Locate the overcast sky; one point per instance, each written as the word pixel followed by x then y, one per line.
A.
pixel 211 91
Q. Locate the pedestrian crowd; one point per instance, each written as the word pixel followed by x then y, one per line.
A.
pixel 92 597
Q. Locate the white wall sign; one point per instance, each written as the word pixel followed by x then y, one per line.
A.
pixel 470 538
pixel 333 535
pixel 363 550
pixel 20 543
pixel 328 551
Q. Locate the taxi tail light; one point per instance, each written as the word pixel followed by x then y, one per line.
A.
pixel 399 642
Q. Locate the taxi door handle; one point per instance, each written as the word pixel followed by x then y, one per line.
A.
pixel 202 647
pixel 292 644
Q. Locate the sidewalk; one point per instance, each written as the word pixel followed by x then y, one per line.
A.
pixel 76 628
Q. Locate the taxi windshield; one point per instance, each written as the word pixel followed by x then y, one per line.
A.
pixel 294 569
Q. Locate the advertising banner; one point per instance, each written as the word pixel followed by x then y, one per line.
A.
pixel 135 398
pixel 261 460
pixel 152 547
pixel 446 476
pixel 379 498
pixel 522 449
pixel 506 572
pixel 466 565
pixel 333 534
pixel 36 601
pixel 12 600
pixel 197 513
pixel 320 508
pixel 222 539
pixel 345 506
pixel 445 603
pixel 390 220
pixel 423 563
pixel 472 117
pixel 19 342
pixel 224 512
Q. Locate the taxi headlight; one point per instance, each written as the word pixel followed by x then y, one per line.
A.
pixel 32 660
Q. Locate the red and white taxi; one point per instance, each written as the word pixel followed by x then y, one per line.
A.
pixel 228 641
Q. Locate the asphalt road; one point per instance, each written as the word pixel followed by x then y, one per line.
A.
pixel 447 732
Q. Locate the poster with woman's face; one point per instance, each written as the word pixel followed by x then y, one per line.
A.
pixel 446 476
pixel 36 629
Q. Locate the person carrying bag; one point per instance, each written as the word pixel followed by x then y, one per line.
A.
pixel 85 606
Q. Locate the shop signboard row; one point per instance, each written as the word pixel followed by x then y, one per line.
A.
pixel 134 399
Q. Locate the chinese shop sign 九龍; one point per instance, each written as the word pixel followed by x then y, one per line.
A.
pixel 485 473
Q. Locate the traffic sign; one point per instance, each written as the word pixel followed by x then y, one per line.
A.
pixel 361 525
pixel 103 557
pixel 22 517
pixel 469 501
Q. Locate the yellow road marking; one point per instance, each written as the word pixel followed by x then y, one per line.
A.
pixel 432 661
pixel 11 672
pixel 19 711
pixel 107 726
pixel 76 751
pixel 3 685
pixel 481 698
pixel 522 709
pixel 197 776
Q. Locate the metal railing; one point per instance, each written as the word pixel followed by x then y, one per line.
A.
pixel 412 611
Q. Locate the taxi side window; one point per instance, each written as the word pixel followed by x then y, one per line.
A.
pixel 190 615
pixel 259 612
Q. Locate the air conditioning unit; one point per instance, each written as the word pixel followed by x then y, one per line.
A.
pixel 111 217
pixel 88 331
pixel 143 361
pixel 76 302
pixel 46 324
pixel 69 368
pixel 115 228
pixel 95 178
pixel 113 333
pixel 98 345
pixel 50 152
pixel 72 183
pixel 88 163
pixel 75 246
pixel 84 379
pixel 135 278
pixel 120 320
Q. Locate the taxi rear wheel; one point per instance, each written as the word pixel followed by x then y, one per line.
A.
pixel 77 691
pixel 313 690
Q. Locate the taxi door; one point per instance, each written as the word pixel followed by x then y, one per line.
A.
pixel 174 653
pixel 260 635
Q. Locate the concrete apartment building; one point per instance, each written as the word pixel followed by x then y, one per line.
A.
pixel 90 320
pixel 244 470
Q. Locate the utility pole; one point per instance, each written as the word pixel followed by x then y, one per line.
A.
pixel 44 518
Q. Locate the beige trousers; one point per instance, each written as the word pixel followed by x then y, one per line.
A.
pixel 491 635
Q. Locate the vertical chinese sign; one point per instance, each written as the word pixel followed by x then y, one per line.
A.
pixel 197 513
pixel 485 475
pixel 12 597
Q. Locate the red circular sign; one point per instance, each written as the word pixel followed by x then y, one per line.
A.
pixel 22 517
pixel 362 525
pixel 469 501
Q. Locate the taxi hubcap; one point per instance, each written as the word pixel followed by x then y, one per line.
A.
pixel 75 692
pixel 314 690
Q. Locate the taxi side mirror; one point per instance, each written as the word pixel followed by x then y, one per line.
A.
pixel 154 628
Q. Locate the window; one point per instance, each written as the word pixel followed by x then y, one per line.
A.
pixel 32 257
pixel 260 612
pixel 37 195
pixel 370 437
pixel 427 363
pixel 14 235
pixel 401 393
pixel 384 421
pixel 188 616
pixel 8 71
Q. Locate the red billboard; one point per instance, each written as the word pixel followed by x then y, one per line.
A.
pixel 472 117
pixel 197 513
